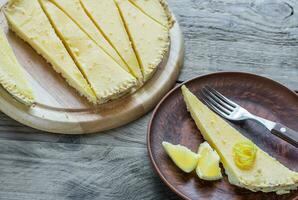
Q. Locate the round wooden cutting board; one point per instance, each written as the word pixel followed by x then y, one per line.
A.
pixel 60 109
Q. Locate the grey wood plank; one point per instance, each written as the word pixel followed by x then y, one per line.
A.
pixel 35 170
pixel 257 36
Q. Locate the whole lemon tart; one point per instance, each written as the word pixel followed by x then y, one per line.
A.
pixel 104 49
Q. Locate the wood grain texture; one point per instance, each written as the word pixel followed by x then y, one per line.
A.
pixel 260 96
pixel 59 109
pixel 209 28
pixel 258 36
pixel 74 171
pixel 29 160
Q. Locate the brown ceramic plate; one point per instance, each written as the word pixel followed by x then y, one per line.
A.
pixel 171 122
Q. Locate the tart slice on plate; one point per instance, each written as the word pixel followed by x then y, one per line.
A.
pixel 106 77
pixel 12 76
pixel 27 19
pixel 264 173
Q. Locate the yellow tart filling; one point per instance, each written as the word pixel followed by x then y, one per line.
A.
pixel 27 19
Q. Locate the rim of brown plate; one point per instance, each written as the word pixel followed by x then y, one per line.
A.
pixel 155 166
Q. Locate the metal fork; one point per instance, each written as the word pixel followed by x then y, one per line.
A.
pixel 234 112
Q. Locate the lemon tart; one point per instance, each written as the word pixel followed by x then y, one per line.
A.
pixel 157 10
pixel 106 77
pixel 27 19
pixel 106 16
pixel 12 76
pixel 265 173
pixel 150 39
pixel 76 12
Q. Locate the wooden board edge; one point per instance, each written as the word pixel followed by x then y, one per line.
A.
pixel 172 69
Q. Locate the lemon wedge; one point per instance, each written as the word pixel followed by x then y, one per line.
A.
pixel 184 158
pixel 208 164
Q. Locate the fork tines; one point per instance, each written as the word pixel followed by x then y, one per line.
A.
pixel 216 101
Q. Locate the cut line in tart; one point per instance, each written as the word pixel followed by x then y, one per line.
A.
pixel 27 19
pixel 75 11
pixel 150 39
pixel 266 174
pixel 156 9
pixel 106 77
pixel 13 77
pixel 105 15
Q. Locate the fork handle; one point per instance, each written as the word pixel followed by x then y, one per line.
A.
pixel 286 134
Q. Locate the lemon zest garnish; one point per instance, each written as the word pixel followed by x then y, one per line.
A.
pixel 244 154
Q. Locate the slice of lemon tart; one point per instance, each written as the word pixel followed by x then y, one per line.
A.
pixel 106 16
pixel 157 10
pixel 106 77
pixel 259 172
pixel 27 19
pixel 12 76
pixel 76 12
pixel 150 39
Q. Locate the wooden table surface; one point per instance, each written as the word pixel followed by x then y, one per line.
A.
pixel 258 36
